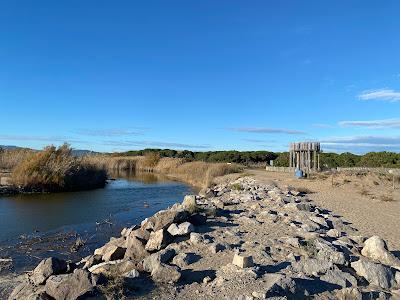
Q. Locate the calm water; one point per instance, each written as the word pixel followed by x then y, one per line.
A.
pixel 33 225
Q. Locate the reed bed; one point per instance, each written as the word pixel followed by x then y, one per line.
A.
pixel 9 159
pixel 56 169
pixel 197 173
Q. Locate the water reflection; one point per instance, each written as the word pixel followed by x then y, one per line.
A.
pixel 129 198
pixel 144 177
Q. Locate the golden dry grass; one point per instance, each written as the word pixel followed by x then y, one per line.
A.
pixel 197 173
pixel 56 169
pixel 9 159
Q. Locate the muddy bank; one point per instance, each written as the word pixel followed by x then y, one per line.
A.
pixel 240 240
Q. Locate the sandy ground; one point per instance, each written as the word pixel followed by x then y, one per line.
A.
pixel 359 199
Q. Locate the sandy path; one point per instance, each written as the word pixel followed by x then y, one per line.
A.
pixel 370 217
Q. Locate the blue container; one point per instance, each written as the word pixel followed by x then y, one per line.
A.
pixel 298 173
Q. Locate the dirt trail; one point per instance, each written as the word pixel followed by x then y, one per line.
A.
pixel 349 198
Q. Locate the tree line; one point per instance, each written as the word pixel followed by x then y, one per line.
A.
pixel 280 159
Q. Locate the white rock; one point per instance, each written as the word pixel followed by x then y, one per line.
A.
pixel 376 249
pixel 180 229
pixel 243 261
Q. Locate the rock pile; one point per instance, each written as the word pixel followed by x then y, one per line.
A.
pixel 238 240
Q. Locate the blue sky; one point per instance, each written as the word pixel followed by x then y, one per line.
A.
pixel 200 75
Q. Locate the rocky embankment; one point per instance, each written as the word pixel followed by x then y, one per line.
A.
pixel 239 240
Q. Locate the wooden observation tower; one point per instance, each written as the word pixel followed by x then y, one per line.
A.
pixel 305 156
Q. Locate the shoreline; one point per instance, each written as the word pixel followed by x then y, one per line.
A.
pixel 243 238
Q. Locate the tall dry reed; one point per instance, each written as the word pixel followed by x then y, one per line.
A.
pixel 56 169
pixel 10 158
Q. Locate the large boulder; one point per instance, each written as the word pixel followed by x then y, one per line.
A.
pixel 158 240
pixel 113 253
pixel 338 277
pixel 135 248
pixel 164 256
pixel 312 267
pixel 165 274
pixel 46 268
pixel 164 218
pixel 28 291
pixel 184 259
pixel 112 250
pixel 325 251
pixel 180 229
pixel 376 249
pixel 189 204
pixel 70 286
pixel 376 274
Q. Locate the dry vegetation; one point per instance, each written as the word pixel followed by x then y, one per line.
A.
pixel 197 173
pixel 56 169
pixel 9 159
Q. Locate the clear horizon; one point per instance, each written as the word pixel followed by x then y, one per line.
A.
pixel 201 76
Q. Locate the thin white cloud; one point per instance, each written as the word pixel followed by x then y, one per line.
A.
pixel 321 125
pixel 364 141
pixel 374 124
pixel 266 130
pixel 380 94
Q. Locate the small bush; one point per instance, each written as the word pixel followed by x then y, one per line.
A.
pixel 237 187
pixel 56 169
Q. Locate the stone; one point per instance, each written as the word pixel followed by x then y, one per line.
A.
pixel 180 229
pixel 327 252
pixel 312 267
pixel 196 238
pixel 164 218
pixel 91 261
pixel 141 234
pixel 71 286
pixel 46 268
pixel 158 240
pixel 164 256
pixel 165 274
pixel 259 295
pixel 242 261
pixel 135 249
pixel 278 285
pixel 114 253
pixel 376 249
pixel 189 203
pixel 300 206
pixel 120 242
pixel 336 276
pixel 116 267
pixel 27 291
pixel 319 220
pixel 216 247
pixel 207 279
pixel 184 259
pixel 292 241
pixel 333 233
pixel 132 274
pixel 374 273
